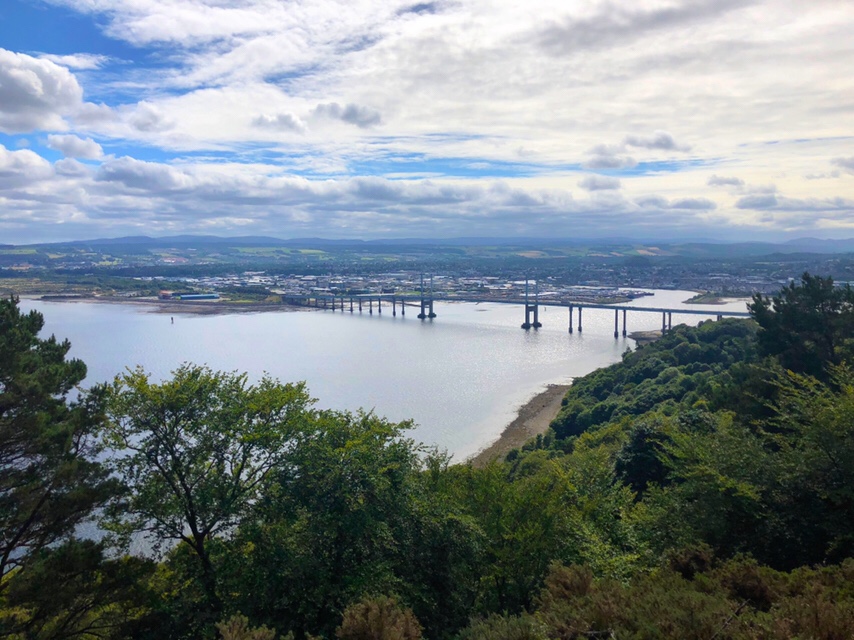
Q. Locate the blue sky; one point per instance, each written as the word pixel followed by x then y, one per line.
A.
pixel 374 119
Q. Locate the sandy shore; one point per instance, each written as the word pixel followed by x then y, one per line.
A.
pixel 534 417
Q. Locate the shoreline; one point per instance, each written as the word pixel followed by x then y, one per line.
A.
pixel 533 418
pixel 178 307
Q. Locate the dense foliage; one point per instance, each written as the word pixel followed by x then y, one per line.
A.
pixel 701 488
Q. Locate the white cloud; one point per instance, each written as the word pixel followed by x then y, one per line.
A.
pixel 725 181
pixel 599 183
pixel 660 140
pixel 149 118
pixel 363 117
pixel 22 167
pixel 82 61
pixel 281 122
pixel 73 147
pixel 144 176
pixel 845 163
pixel 35 94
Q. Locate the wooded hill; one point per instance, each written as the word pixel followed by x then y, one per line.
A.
pixel 701 488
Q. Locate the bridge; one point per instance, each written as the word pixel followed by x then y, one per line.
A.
pixel 424 301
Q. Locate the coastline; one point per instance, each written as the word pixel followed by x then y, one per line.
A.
pixel 533 418
pixel 178 307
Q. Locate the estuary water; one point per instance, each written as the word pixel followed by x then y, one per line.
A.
pixel 460 377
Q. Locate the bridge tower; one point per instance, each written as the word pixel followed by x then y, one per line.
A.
pixel 532 308
pixel 426 303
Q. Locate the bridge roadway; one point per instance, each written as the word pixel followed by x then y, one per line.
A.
pixel 531 304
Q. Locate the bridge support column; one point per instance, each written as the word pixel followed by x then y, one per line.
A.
pixel 624 323
pixel 669 320
pixel 351 304
pixel 379 305
pixel 371 305
pixel 403 307
pixel 616 323
pixel 663 322
pixel 579 318
pixel 393 306
pixel 720 317
pixel 570 318
pixel 342 303
pixel 360 305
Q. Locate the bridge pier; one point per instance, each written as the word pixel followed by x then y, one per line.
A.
pixel 426 305
pixel 720 317
pixel 624 323
pixel 570 317
pixel 371 306
pixel 669 320
pixel 351 304
pixel 616 323
pixel 379 305
pixel 403 307
pixel 342 303
pixel 360 305
pixel 393 306
pixel 663 322
pixel 579 318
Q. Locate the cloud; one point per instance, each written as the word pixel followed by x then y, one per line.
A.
pixel 73 147
pixel 724 181
pixel 145 176
pixel 82 61
pixel 684 204
pixel 613 25
pixel 18 168
pixel 841 206
pixel 758 202
pixel 604 156
pixel 35 94
pixel 149 118
pixel 599 183
pixel 658 140
pixel 363 117
pixel 845 163
pixel 281 122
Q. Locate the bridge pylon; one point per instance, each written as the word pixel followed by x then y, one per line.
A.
pixel 427 302
pixel 532 308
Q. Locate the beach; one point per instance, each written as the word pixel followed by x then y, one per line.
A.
pixel 534 418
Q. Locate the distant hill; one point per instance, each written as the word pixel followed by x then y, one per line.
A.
pixel 684 249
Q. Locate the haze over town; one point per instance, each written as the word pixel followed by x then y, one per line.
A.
pixel 708 119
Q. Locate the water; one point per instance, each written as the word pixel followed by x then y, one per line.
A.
pixel 461 377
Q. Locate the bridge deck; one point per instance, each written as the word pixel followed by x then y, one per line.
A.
pixel 550 302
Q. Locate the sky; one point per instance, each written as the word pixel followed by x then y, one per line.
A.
pixel 651 119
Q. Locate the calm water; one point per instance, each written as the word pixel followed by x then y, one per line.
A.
pixel 460 377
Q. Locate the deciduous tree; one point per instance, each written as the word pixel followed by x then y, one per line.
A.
pixel 195 452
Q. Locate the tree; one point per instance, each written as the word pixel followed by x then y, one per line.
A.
pixel 194 453
pixel 807 325
pixel 50 480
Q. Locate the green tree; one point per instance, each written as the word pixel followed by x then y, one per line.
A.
pixel 808 325
pixel 50 480
pixel 195 452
